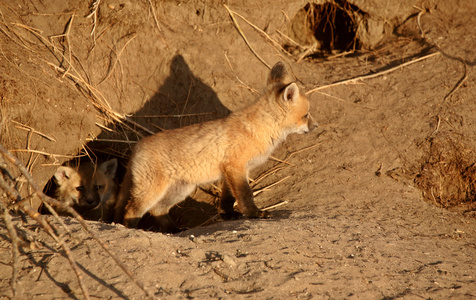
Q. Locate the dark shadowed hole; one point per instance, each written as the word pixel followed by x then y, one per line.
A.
pixel 331 26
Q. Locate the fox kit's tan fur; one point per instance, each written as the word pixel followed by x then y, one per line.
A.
pixel 166 167
pixel 89 189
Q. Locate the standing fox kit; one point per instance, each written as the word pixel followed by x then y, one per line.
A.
pixel 89 189
pixel 166 167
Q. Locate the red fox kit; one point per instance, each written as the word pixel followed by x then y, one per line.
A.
pixel 89 189
pixel 166 167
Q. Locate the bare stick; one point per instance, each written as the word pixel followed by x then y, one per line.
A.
pixel 94 15
pixel 236 76
pixel 71 211
pixel 36 216
pixel 274 205
pixel 26 127
pixel 342 100
pixel 127 119
pixel 237 26
pixel 290 39
pixel 259 191
pixel 154 15
pixel 117 55
pixel 67 251
pixel 14 239
pixel 46 153
pixel 353 80
pixel 266 174
pixel 66 36
pixel 174 116
pixel 460 82
pixel 110 141
pixel 304 149
pixel 276 44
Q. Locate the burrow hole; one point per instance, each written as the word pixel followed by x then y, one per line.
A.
pixel 330 27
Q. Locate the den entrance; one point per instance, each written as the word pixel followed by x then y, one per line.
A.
pixel 330 27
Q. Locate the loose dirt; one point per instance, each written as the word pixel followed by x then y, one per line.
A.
pixel 367 206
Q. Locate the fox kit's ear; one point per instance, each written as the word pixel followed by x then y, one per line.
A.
pixel 109 168
pixel 279 73
pixel 63 174
pixel 291 93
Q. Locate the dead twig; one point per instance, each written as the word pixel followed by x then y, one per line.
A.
pixel 94 15
pixel 28 128
pixel 264 34
pixel 97 98
pixel 112 65
pixel 280 165
pixel 259 191
pixel 42 221
pixel 360 78
pixel 174 116
pixel 459 83
pixel 14 241
pixel 237 78
pixel 68 43
pixel 155 16
pixel 110 141
pixel 237 26
pixel 45 153
pixel 274 205
pixel 342 100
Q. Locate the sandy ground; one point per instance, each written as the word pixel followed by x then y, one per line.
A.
pixel 352 223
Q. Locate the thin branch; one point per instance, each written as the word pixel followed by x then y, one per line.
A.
pixel 353 80
pixel 14 240
pixel 237 26
pixel 117 55
pixel 259 191
pixel 276 44
pixel 45 153
pixel 155 16
pixel 36 216
pixel 94 15
pixel 459 84
pixel 26 127
pixel 274 205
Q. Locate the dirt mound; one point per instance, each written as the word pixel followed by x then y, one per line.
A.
pixel 392 89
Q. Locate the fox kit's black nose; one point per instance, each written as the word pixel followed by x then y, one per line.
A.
pixel 312 127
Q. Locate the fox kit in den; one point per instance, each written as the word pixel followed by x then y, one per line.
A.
pixel 166 167
pixel 89 189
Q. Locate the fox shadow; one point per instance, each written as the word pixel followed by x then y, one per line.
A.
pixel 183 99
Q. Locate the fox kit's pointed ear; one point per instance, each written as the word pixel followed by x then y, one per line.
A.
pixel 291 93
pixel 279 73
pixel 109 167
pixel 63 174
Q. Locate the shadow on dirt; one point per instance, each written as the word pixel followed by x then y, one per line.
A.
pixel 182 100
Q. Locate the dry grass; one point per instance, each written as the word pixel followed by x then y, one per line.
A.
pixel 447 176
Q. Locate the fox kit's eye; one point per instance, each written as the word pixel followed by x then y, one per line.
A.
pixel 99 187
pixel 306 116
pixel 80 188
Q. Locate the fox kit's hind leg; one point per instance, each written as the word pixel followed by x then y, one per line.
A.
pixel 142 199
pixel 176 193
pixel 238 184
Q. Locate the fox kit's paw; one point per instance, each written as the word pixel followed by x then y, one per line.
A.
pixel 258 214
pixel 264 214
pixel 234 215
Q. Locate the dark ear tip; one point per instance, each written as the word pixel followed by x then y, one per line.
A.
pixel 278 73
pixel 278 68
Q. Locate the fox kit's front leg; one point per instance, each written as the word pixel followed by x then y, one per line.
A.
pixel 236 181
